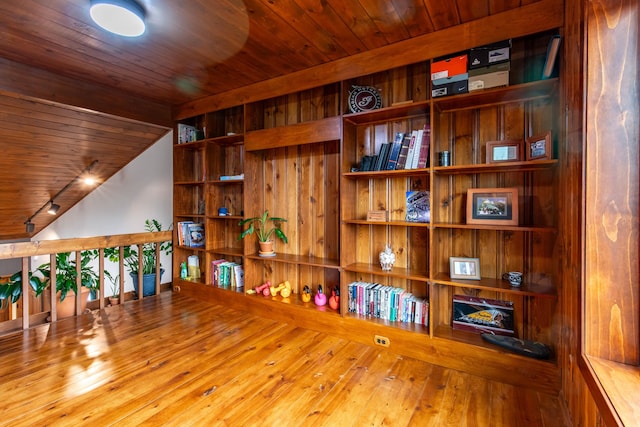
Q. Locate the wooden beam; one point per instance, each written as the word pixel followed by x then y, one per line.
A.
pixel 40 84
pixel 534 18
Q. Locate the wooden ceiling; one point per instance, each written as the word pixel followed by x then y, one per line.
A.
pixel 71 93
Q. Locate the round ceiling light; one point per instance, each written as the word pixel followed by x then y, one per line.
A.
pixel 122 17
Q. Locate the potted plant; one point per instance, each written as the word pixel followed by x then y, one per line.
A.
pixel 114 299
pixel 264 226
pixel 66 275
pixel 148 259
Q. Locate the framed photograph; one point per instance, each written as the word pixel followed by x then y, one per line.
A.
pixel 539 147
pixel 464 268
pixel 492 206
pixel 504 151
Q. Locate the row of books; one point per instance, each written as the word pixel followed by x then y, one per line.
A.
pixel 406 151
pixel 191 234
pixel 387 303
pixel 227 274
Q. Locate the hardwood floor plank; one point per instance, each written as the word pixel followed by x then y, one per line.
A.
pixel 395 399
pixel 173 361
pixel 433 393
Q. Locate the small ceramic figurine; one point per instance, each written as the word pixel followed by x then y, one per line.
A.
pixel 387 258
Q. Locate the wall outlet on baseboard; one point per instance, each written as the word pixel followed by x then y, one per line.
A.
pixel 382 341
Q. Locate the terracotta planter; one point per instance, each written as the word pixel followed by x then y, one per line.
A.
pixel 266 248
pixel 66 308
pixel 114 300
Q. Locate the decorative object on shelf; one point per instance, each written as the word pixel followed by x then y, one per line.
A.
pixel 418 206
pixel 444 158
pixel 320 299
pixel 334 300
pixel 480 315
pixel 514 278
pixel 259 224
pixel 378 216
pixel 464 268
pixel 492 206
pixel 364 98
pixel 504 151
pixel 387 258
pixel 538 147
pixel 306 294
pixel 528 348
pixel 222 211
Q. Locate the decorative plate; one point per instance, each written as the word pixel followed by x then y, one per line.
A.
pixel 364 98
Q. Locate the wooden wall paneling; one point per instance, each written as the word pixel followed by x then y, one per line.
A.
pixel 331 164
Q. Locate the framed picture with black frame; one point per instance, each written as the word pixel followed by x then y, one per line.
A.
pixel 492 206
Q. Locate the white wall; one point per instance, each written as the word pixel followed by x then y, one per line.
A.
pixel 142 190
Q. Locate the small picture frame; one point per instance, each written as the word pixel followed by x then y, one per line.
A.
pixel 538 147
pixel 492 206
pixel 504 151
pixel 464 268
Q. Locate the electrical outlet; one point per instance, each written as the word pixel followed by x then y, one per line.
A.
pixel 381 341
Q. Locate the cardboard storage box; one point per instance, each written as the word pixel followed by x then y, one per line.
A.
pixel 449 67
pixel 494 53
pixel 453 88
pixel 452 79
pixel 486 81
pixel 482 315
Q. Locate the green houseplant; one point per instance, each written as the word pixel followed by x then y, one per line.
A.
pixel 264 226
pixel 131 258
pixel 66 274
pixel 115 287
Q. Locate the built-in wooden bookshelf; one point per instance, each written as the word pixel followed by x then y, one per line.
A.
pixel 299 155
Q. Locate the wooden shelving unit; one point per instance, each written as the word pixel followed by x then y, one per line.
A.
pixel 299 152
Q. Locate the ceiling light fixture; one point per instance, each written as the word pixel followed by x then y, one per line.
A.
pixel 122 17
pixel 53 207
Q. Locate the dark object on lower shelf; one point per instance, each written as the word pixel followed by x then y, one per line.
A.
pixel 527 348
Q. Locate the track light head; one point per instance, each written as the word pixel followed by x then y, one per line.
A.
pixel 53 208
pixel 30 226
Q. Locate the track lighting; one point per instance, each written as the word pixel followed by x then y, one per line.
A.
pixel 121 17
pixel 52 207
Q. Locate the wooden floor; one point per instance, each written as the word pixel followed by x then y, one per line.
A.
pixel 170 360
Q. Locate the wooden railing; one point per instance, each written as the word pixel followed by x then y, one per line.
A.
pixel 26 250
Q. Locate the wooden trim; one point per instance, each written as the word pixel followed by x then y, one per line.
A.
pixel 45 247
pixel 293 135
pixel 534 18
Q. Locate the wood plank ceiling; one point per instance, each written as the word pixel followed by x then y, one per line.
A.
pixel 71 93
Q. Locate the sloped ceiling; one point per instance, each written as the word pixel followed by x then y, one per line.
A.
pixel 70 93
